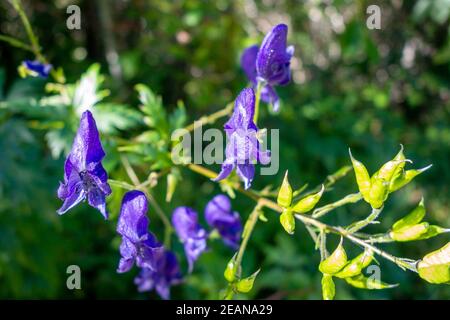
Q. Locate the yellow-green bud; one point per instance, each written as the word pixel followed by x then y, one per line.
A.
pixel 378 192
pixel 362 282
pixel 231 270
pixel 309 202
pixel 435 266
pixel 328 287
pixel 356 265
pixel 287 220
pixel 335 262
pixel 284 198
pixel 246 284
pixel 362 177
pixel 410 233
pixel 406 177
pixel 413 218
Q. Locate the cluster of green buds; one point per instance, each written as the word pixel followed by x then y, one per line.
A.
pixel 285 200
pixel 411 227
pixel 389 178
pixel 339 266
pixel 235 282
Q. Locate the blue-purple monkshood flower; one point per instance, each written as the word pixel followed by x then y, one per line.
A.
pixel 38 68
pixel 190 233
pixel 269 64
pixel 84 175
pixel 243 148
pixel 220 216
pixel 138 244
pixel 165 274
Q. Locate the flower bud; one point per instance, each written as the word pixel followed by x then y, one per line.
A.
pixel 287 220
pixel 406 177
pixel 361 282
pixel 410 233
pixel 379 192
pixel 335 262
pixel 356 265
pixel 309 202
pixel 231 270
pixel 328 288
pixel 284 198
pixel 435 266
pixel 172 181
pixel 362 177
pixel 413 218
pixel 246 284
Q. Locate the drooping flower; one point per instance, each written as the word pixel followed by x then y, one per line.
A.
pixel 165 274
pixel 138 244
pixel 219 215
pixel 243 148
pixel 37 68
pixel 84 175
pixel 269 64
pixel 190 233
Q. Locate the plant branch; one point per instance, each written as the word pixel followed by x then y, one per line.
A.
pixel 210 119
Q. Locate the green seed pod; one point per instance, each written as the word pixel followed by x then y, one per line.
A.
pixel 356 265
pixel 246 284
pixel 287 220
pixel 231 270
pixel 406 177
pixel 378 192
pixel 435 266
pixel 400 168
pixel 362 177
pixel 284 198
pixel 172 181
pixel 432 232
pixel 361 282
pixel 308 203
pixel 328 287
pixel 410 233
pixel 335 262
pixel 413 218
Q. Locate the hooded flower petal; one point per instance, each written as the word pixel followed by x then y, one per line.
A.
pixel 219 215
pixel 138 245
pixel 248 62
pixel 84 175
pixel 273 59
pixel 269 95
pixel 193 236
pixel 244 110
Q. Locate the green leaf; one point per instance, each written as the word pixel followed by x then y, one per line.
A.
pixel 328 287
pixel 246 284
pixel 113 117
pixel 178 117
pixel 284 198
pixel 414 217
pixel 362 177
pixel 335 262
pixel 151 106
pixel 362 282
pixel 435 266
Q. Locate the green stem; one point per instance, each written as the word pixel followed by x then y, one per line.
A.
pixel 351 198
pixel 257 102
pixel 364 223
pixel 210 119
pixel 15 43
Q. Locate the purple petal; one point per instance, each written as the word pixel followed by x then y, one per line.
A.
pixel 219 206
pixel 42 69
pixel 133 221
pixel 87 149
pixel 269 95
pixel 96 199
pixel 244 110
pixel 72 200
pixel 246 172
pixel 248 62
pixel 273 59
pixel 224 172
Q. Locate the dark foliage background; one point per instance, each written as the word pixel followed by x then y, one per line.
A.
pixel 367 89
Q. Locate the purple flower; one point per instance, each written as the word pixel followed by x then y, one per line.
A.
pixel 39 68
pixel 165 274
pixel 138 245
pixel 191 234
pixel 269 64
pixel 219 215
pixel 84 175
pixel 243 148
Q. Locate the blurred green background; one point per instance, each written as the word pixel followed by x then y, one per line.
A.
pixel 352 87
